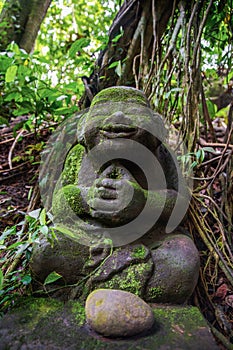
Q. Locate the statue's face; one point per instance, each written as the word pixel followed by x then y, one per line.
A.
pixel 116 120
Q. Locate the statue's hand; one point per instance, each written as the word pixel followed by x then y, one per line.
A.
pixel 115 200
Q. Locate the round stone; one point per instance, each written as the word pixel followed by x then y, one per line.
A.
pixel 116 313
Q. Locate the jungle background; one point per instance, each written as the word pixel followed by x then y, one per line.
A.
pixel 56 55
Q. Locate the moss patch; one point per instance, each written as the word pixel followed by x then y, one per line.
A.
pixel 48 324
pixel 130 279
pixel 154 292
pixel 139 252
pixel 72 165
pixel 120 94
pixel 66 199
pixel 78 311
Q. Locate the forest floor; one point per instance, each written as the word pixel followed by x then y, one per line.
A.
pixel 19 171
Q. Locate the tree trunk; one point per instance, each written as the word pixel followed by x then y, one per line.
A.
pixel 143 24
pixel 155 46
pixel 140 25
pixel 21 20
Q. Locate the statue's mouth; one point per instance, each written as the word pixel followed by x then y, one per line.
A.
pixel 118 130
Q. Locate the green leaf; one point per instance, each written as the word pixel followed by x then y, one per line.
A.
pixel 16 96
pixel 14 48
pixel 193 165
pixel 78 45
pixel 52 277
pixel 21 111
pixel 212 108
pixel 34 213
pixel 113 64
pixel 26 279
pixel 14 245
pixel 209 149
pixel 118 36
pixel 1 279
pixel 200 155
pixel 11 73
pixel 118 69
pixel 5 62
pixel 44 230
pixel 42 217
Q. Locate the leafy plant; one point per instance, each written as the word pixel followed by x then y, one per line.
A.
pixel 25 91
pixel 16 247
pixel 192 159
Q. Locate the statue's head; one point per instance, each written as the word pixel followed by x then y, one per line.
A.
pixel 121 112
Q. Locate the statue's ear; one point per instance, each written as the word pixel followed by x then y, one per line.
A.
pixel 81 128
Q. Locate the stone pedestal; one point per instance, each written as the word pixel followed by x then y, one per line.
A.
pixel 47 324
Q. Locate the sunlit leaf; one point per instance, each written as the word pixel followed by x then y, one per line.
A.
pixel 52 277
pixel 78 45
pixel 11 73
pixel 34 213
pixel 42 217
pixel 113 64
pixel 44 229
pixel 118 69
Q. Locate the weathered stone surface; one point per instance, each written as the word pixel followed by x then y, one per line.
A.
pixel 128 268
pixel 46 324
pixel 120 184
pixel 116 313
pixel 173 284
pixel 65 257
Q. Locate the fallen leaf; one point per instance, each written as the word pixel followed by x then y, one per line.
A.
pixel 221 292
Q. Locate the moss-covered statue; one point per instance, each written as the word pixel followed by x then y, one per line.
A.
pixel 119 199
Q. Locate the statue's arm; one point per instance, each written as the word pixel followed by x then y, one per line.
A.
pixel 162 201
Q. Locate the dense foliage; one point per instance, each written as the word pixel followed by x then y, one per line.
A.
pixel 187 75
pixel 47 83
pixel 45 86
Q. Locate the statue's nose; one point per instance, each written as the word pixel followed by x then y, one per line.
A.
pixel 118 118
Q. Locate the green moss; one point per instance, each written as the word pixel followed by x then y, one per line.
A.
pixel 155 292
pixel 115 174
pixel 139 252
pixel 130 279
pixel 59 325
pixel 38 309
pixel 66 199
pixel 120 94
pixel 186 317
pixel 78 311
pixel 72 165
pixel 156 199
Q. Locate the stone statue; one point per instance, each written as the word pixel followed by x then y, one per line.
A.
pixel 118 191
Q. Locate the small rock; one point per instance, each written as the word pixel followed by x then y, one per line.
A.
pixel 116 313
